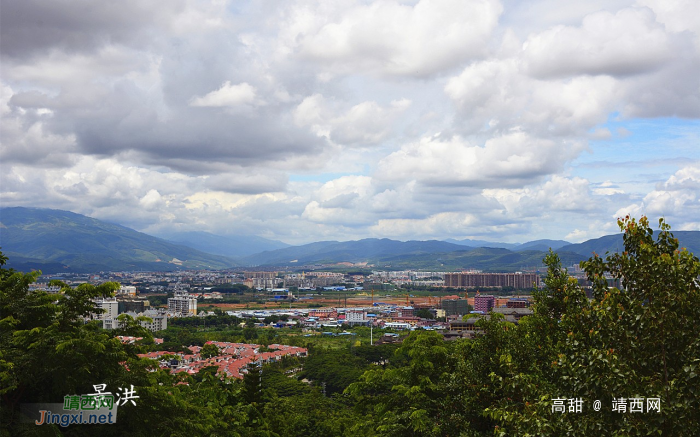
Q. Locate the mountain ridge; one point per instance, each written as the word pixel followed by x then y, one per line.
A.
pixel 56 240
pixel 38 238
pixel 233 246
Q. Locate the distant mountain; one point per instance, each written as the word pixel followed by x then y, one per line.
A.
pixel 488 259
pixel 482 243
pixel 385 253
pixel 608 243
pixel 613 243
pixel 542 245
pixel 227 245
pixel 61 241
pixel 442 255
pixel 347 251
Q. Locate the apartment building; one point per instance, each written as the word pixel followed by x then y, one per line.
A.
pixel 356 317
pixel 182 304
pixel 455 307
pixel 516 280
pixel 484 303
pixel 159 320
pixel 111 307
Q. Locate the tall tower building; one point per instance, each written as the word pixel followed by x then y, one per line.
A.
pixel 182 304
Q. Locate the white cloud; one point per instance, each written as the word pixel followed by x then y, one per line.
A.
pixel 495 95
pixel 514 158
pixel 366 123
pixel 26 136
pixel 437 224
pixel 592 229
pixel 246 181
pixel 677 199
pixel 625 43
pixel 341 201
pixel 227 95
pixel 558 194
pixel 151 200
pixel 677 15
pixel 390 38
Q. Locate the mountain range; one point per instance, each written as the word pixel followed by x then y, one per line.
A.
pixel 348 251
pixel 542 245
pixel 233 246
pixel 62 241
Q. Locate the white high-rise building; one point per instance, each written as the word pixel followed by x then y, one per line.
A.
pixel 110 306
pixel 182 304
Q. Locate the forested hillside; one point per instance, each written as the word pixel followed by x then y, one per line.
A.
pixel 61 241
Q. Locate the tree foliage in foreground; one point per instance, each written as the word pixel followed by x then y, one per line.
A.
pixel 639 342
pixel 47 351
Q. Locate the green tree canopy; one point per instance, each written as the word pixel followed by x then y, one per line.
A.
pixel 638 342
pixel 209 350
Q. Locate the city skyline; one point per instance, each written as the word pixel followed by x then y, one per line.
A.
pixel 303 121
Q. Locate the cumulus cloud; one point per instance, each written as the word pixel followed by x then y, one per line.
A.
pixel 227 95
pixel 363 124
pixel 497 94
pixel 628 42
pixel 26 137
pixel 391 38
pixel 511 159
pixel 449 223
pixel 677 16
pixel 677 199
pixel 608 188
pixel 559 194
pixel 245 181
pixel 340 202
pixel 34 27
pixel 120 96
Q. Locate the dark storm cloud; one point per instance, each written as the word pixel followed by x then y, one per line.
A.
pixel 30 27
pixel 139 99
pixel 196 138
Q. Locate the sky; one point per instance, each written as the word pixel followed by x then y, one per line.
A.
pixel 304 121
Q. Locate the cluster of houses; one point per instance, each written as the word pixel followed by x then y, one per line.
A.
pixel 232 360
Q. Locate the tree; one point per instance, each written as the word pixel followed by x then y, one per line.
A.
pixel 424 313
pixel 47 351
pixel 209 350
pixel 252 383
pixel 407 399
pixel 637 342
pixel 640 341
pixel 131 326
pixel 334 369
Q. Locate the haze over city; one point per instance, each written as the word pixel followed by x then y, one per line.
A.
pixel 303 121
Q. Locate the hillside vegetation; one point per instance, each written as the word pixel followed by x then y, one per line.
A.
pixel 56 241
